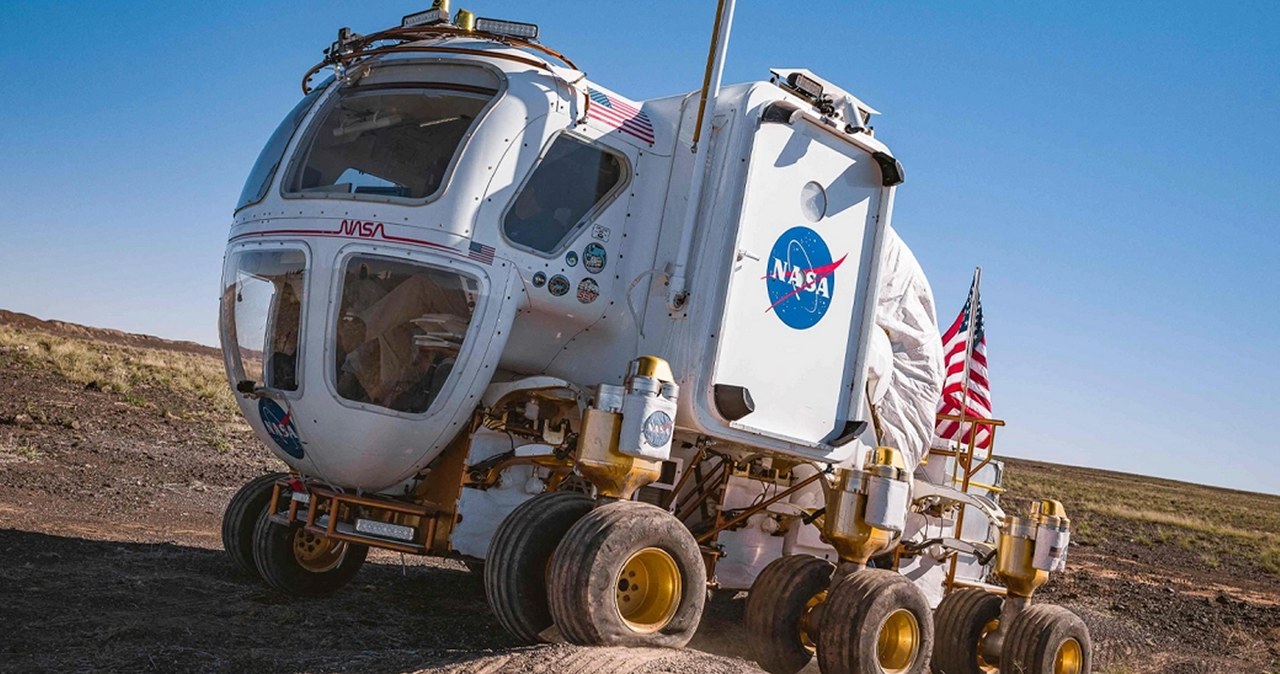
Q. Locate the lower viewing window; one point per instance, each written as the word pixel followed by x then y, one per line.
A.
pixel 400 327
pixel 261 314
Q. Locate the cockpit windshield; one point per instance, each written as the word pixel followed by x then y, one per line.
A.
pixel 383 141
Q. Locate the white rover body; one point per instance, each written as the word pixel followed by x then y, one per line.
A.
pixel 442 286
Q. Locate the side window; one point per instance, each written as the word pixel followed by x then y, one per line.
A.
pixel 571 181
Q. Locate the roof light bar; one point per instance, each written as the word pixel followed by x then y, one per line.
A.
pixel 439 13
pixel 805 86
pixel 427 18
pixel 524 31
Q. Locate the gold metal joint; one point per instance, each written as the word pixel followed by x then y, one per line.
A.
pixel 465 20
pixel 614 474
pixel 1051 513
pixel 652 367
pixel 845 525
pixel 885 457
pixel 1015 555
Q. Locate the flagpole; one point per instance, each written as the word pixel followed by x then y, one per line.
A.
pixel 964 407
pixel 959 443
pixel 968 350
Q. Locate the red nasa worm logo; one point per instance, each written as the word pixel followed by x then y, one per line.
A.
pixel 365 229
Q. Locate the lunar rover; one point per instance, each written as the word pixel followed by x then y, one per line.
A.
pixel 616 354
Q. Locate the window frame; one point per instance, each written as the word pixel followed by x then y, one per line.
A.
pixel 305 139
pixel 624 181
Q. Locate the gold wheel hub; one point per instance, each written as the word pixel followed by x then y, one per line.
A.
pixel 1069 659
pixel 809 623
pixel 648 590
pixel 899 642
pixel 983 665
pixel 315 553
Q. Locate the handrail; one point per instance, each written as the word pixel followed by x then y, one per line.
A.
pixel 964 465
pixel 359 48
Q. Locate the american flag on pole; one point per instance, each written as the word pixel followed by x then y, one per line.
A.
pixel 616 112
pixel 966 390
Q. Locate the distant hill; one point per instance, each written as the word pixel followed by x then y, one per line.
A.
pixel 63 329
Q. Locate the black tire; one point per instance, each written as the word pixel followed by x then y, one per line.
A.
pixel 516 567
pixel 959 624
pixel 1039 634
pixel 240 518
pixel 279 565
pixel 866 606
pixel 588 583
pixel 776 608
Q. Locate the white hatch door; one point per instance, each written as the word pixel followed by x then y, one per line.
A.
pixel 792 323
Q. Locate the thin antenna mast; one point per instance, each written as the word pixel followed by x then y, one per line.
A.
pixel 677 293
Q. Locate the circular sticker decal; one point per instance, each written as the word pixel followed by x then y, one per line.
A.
pixel 280 427
pixel 558 285
pixel 657 429
pixel 594 258
pixel 588 290
pixel 539 279
pixel 801 278
pixel 571 258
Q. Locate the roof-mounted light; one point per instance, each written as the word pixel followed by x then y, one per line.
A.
pixel 343 45
pixel 805 86
pixel 439 13
pixel 524 31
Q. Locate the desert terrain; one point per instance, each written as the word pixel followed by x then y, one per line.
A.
pixel 118 453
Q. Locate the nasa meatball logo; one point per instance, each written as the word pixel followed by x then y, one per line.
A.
pixel 657 429
pixel 280 427
pixel 801 278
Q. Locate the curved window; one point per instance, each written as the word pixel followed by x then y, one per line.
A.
pixel 400 328
pixel 385 142
pixel 262 317
pixel 569 184
pixel 255 187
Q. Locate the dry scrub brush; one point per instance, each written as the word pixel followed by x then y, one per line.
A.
pixel 123 369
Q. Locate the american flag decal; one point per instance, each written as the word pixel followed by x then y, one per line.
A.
pixel 618 113
pixel 974 399
pixel 481 253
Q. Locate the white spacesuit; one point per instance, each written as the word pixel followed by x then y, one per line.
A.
pixel 905 361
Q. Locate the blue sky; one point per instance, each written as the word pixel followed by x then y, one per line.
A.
pixel 1112 166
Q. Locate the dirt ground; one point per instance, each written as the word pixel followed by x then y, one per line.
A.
pixel 110 560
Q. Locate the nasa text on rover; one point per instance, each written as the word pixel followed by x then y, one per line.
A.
pixel 617 351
